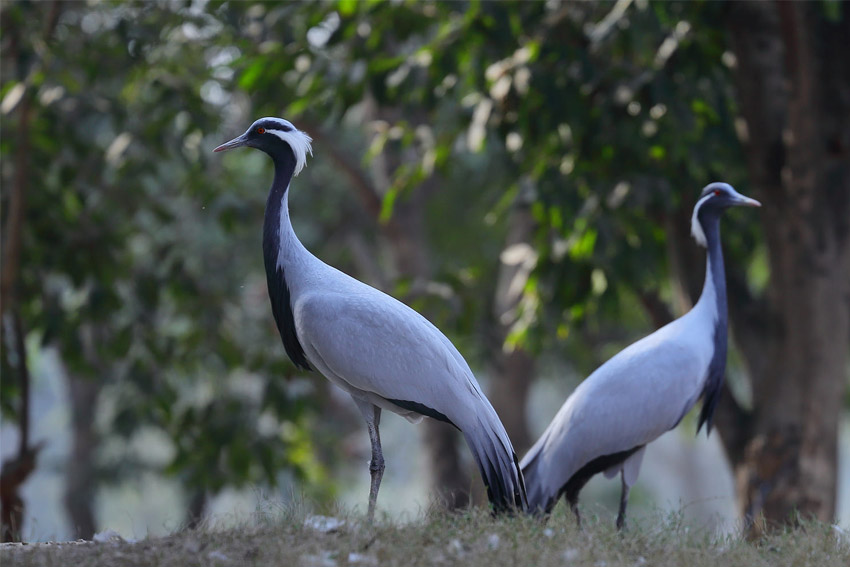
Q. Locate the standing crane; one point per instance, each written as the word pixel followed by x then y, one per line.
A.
pixel 644 390
pixel 379 350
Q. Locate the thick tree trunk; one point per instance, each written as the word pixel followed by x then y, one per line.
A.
pixel 794 92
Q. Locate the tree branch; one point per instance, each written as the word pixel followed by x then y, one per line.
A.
pixel 356 176
pixel 655 306
pixel 368 195
pixel 17 208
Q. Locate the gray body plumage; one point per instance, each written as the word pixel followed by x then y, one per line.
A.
pixel 641 392
pixel 379 350
pixel 382 352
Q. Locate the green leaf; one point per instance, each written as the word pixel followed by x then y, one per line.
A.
pixel 251 75
pixel 347 8
pixel 387 205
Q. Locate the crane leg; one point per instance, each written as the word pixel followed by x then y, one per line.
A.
pixel 372 414
pixel 624 501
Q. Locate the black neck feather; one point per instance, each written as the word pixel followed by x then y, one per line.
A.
pixel 710 222
pixel 284 167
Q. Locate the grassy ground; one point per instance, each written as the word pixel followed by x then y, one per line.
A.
pixel 293 538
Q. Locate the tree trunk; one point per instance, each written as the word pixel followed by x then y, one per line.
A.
pixel 80 474
pixel 450 482
pixel 16 470
pixel 793 86
pixel 513 368
pixel 196 508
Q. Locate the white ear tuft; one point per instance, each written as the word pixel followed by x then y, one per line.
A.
pixel 696 228
pixel 300 143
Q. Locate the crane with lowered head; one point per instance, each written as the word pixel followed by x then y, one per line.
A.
pixel 644 390
pixel 376 348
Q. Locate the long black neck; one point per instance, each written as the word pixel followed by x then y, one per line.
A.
pixel 715 278
pixel 714 268
pixel 284 168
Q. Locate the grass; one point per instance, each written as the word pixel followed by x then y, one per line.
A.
pixel 294 538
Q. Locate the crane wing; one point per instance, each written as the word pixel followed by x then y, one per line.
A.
pixel 629 401
pixel 380 350
pixel 639 396
pixel 376 344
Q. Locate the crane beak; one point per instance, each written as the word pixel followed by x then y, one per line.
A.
pixel 234 143
pixel 747 202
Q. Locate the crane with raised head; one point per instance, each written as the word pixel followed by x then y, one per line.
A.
pixel 383 353
pixel 644 390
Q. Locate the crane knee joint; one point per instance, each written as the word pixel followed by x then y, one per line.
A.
pixel 377 464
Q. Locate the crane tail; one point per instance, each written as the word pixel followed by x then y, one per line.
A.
pixel 710 397
pixel 540 500
pixel 499 468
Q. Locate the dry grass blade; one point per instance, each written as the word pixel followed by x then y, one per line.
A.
pixel 294 538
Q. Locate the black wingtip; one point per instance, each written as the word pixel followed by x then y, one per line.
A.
pixel 503 480
pixel 521 494
pixel 706 414
pixel 706 423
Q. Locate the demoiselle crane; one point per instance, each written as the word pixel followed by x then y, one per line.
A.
pixel 379 350
pixel 644 390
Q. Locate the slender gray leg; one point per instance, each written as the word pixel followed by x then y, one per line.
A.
pixel 624 501
pixel 376 464
pixel 372 415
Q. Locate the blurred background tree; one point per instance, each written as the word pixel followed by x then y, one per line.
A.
pixel 521 173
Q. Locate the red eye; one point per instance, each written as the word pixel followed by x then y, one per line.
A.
pixel 262 130
pixel 716 191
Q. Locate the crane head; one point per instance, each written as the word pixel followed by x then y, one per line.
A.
pixel 274 135
pixel 716 197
